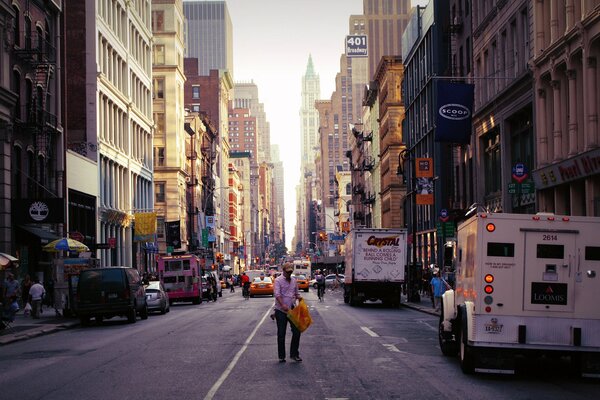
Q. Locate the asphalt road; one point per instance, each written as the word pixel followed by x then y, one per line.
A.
pixel 227 350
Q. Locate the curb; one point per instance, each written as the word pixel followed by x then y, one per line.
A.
pixel 422 309
pixel 36 332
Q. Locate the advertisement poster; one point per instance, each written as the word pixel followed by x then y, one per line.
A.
pixel 424 181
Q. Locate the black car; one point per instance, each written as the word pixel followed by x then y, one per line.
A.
pixel 111 291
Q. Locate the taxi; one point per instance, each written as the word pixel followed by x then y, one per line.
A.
pixel 302 282
pixel 262 286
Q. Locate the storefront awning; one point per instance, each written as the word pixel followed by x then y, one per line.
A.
pixel 44 235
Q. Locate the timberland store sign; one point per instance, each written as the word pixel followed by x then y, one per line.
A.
pixel 575 168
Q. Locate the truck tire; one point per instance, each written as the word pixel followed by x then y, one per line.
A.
pixel 353 299
pixel 144 312
pixel 346 295
pixel 131 315
pixel 448 345
pixel 466 352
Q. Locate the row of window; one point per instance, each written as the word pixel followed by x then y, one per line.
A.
pixel 545 251
pixel 111 12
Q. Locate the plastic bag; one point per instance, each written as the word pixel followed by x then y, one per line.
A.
pixel 27 309
pixel 299 316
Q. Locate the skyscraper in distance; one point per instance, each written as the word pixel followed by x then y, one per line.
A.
pixel 209 35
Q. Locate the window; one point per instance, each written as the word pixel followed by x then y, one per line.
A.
pixel 348 188
pixel 195 92
pixel 500 249
pixel 158 21
pixel 159 122
pixel 555 251
pixel 159 55
pixel 159 190
pixel 160 227
pixel 592 253
pixel 158 87
pixel 196 108
pixel 159 156
pixel 492 162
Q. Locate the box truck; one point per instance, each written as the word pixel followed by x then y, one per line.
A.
pixel 375 262
pixel 526 285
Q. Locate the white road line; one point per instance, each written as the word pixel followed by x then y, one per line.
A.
pixel 213 390
pixel 393 348
pixel 370 332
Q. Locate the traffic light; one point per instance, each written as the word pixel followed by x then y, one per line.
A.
pixel 219 257
pixel 323 236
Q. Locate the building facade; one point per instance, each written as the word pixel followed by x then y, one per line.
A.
pixel 566 81
pixel 245 95
pixel 242 131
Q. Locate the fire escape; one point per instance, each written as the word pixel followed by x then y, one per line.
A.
pixel 37 58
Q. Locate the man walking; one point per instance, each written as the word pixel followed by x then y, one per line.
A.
pixel 286 294
pixel 36 293
pixel 438 287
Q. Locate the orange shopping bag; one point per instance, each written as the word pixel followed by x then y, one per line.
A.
pixel 299 316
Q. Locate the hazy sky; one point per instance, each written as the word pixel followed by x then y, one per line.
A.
pixel 272 40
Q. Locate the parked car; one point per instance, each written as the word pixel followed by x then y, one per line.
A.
pixel 157 298
pixel 328 281
pixel 110 291
pixel 302 282
pixel 262 286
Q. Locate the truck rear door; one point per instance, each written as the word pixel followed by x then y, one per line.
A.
pixel 549 281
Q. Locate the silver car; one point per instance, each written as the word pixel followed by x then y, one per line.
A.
pixel 157 298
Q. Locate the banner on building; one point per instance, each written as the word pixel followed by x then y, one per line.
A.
pixel 424 181
pixel 210 226
pixel 173 234
pixel 145 227
pixel 346 226
pixel 454 112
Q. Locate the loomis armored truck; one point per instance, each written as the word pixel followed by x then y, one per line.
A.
pixel 375 261
pixel 526 285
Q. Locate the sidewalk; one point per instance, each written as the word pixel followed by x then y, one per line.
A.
pixel 424 305
pixel 26 327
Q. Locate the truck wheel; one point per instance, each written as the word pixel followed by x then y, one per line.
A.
pixel 85 320
pixel 144 312
pixel 448 345
pixel 131 317
pixel 466 351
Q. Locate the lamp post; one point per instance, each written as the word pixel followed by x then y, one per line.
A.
pixel 406 155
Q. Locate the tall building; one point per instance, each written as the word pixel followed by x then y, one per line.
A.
pixel 246 96
pixel 279 198
pixel 172 143
pixel 384 22
pixel 309 117
pixel 111 104
pixel 32 153
pixel 248 210
pixel 209 35
pixel 242 131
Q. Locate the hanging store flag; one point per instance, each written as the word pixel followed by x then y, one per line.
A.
pixel 424 181
pixel 145 227
pixel 454 112
pixel 210 226
pixel 174 234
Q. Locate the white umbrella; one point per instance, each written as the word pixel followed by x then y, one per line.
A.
pixel 6 259
pixel 226 268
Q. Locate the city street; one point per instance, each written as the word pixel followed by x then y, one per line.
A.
pixel 227 350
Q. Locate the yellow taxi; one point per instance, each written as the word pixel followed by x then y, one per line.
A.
pixel 302 282
pixel 262 286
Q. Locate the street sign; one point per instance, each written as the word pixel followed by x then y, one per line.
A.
pixel 75 235
pixel 445 229
pixel 356 46
pixel 169 249
pixel 520 172
pixel 444 215
pixel 512 188
pixel 102 246
pixel 527 188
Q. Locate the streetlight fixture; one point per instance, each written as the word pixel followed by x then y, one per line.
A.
pixel 406 155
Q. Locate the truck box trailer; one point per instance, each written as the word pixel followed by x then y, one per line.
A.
pixel 375 266
pixel 525 285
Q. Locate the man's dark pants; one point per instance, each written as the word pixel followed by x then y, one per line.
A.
pixel 282 322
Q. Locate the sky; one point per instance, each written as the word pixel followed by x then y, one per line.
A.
pixel 272 40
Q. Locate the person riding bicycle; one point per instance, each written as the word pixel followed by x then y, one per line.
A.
pixel 320 278
pixel 245 285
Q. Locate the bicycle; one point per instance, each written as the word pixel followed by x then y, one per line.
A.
pixel 321 291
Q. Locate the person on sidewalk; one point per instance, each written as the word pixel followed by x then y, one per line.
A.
pixel 286 294
pixel 10 288
pixel 438 287
pixel 36 294
pixel 25 286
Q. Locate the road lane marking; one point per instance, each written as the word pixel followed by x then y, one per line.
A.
pixel 225 374
pixel 370 332
pixel 393 348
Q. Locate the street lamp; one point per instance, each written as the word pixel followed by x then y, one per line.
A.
pixel 406 155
